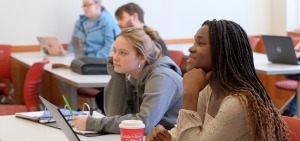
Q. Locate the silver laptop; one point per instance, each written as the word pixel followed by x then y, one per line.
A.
pixel 280 49
pixel 78 47
pixel 60 120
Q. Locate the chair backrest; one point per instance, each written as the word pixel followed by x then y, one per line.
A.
pixel 176 56
pixel 293 126
pixel 253 41
pixel 31 85
pixel 5 52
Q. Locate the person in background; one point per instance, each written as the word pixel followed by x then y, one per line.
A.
pixel 223 98
pixel 96 28
pixel 292 108
pixel 132 15
pixel 144 85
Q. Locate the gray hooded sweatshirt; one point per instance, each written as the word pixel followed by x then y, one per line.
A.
pixel 155 97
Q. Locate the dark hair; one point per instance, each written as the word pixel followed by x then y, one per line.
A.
pixel 130 8
pixel 233 67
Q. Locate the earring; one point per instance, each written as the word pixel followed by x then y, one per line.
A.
pixel 139 65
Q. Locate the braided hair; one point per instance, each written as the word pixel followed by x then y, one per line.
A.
pixel 232 58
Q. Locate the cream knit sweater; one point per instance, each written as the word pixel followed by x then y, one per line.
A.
pixel 230 123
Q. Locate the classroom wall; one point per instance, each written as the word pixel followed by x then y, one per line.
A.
pixel 278 20
pixel 292 15
pixel 22 21
pixel 178 19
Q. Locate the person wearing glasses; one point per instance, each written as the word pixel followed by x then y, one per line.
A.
pixel 96 28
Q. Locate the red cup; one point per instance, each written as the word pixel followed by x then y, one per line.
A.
pixel 132 130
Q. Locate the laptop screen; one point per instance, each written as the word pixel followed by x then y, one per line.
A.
pixel 280 49
pixel 78 47
pixel 61 121
pixel 51 46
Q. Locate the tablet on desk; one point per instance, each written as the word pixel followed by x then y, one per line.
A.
pixel 51 46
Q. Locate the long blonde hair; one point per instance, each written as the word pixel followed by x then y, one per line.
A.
pixel 144 41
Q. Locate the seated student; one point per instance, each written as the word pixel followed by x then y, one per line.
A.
pixel 144 85
pixel 97 29
pixel 132 15
pixel 128 15
pixel 223 99
pixel 292 107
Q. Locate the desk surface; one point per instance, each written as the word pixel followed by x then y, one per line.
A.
pixel 17 129
pixel 75 79
pixel 262 65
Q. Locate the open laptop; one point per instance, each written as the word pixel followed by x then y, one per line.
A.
pixel 280 49
pixel 78 46
pixel 60 120
pixel 51 46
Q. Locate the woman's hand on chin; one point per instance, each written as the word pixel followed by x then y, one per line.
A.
pixel 194 81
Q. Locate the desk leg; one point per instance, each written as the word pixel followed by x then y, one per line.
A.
pixel 298 99
pixel 70 93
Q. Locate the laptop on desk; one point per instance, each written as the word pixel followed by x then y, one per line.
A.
pixel 65 126
pixel 280 49
pixel 60 120
pixel 51 46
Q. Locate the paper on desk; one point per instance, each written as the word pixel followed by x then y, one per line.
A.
pixel 96 115
pixel 34 116
pixel 43 116
pixel 84 132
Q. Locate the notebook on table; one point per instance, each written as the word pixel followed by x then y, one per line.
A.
pixel 51 46
pixel 280 49
pixel 44 116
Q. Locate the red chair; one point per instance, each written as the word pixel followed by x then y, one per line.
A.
pixel 30 91
pixel 253 41
pixel 176 56
pixel 31 86
pixel 290 85
pixel 89 94
pixel 293 126
pixel 5 73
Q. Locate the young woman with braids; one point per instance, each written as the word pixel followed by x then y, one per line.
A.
pixel 143 85
pixel 223 99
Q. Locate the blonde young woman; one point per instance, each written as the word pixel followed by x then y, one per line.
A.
pixel 144 85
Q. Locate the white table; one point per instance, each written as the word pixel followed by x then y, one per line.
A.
pixel 72 79
pixel 16 129
pixel 262 65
